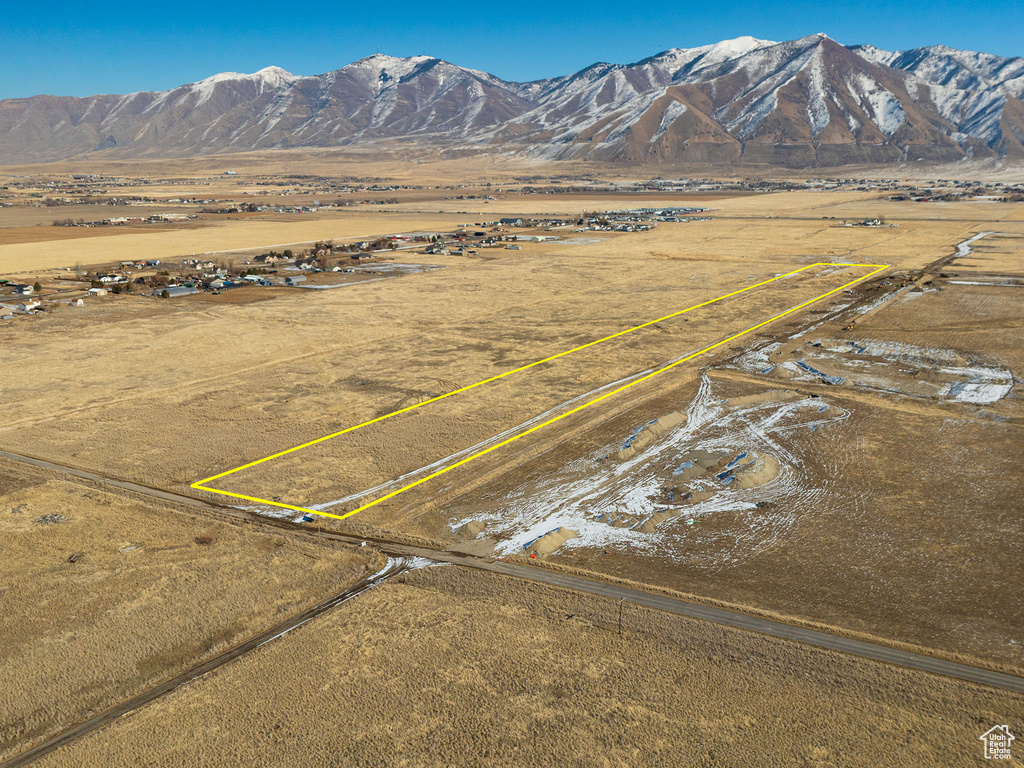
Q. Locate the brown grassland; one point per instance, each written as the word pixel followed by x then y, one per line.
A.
pixel 904 525
pixel 494 671
pixel 152 591
pixel 902 522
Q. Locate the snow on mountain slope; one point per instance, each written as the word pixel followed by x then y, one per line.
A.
pixel 942 65
pixel 810 101
pixel 969 89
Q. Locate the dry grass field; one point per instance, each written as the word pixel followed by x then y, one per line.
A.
pixel 895 510
pixel 173 244
pixel 853 465
pixel 152 590
pixel 452 668
pixel 232 392
pixel 199 388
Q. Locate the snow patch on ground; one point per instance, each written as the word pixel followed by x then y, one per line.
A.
pixel 586 494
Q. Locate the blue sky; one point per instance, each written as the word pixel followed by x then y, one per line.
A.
pixel 74 48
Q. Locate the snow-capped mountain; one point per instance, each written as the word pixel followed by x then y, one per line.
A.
pixel 805 102
pixel 979 93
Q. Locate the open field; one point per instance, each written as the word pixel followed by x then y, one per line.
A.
pixel 253 379
pixel 391 160
pixel 363 351
pixel 151 591
pixel 482 670
pixel 800 229
pixel 235 234
pixel 50 234
pixel 851 466
pixel 882 502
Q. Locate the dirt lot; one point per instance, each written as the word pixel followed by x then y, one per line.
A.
pixel 152 591
pixel 452 668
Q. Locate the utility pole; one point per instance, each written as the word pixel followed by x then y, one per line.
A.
pixel 621 600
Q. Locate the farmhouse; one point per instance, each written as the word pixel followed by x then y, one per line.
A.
pixel 511 222
pixel 21 290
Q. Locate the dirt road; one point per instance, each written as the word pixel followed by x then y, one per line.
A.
pixel 394 567
pixel 668 603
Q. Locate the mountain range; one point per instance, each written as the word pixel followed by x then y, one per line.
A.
pixel 802 103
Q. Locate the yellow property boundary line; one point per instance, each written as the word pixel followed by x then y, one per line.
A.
pixel 201 484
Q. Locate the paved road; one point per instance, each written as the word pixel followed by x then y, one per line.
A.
pixel 666 603
pixel 765 626
pixel 400 553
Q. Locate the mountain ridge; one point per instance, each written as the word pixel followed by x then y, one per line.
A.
pixel 799 103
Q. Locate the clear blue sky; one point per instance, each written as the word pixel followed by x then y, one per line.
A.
pixel 74 48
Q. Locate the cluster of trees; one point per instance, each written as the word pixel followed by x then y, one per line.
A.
pixel 380 244
pixel 375 245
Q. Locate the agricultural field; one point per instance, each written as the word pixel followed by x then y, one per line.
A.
pixel 857 473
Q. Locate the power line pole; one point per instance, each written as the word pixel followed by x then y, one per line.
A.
pixel 621 600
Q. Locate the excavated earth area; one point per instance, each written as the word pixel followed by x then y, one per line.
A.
pixel 718 454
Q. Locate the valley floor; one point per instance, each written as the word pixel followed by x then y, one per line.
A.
pixel 850 467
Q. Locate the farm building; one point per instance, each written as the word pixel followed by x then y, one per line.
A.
pixel 174 291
